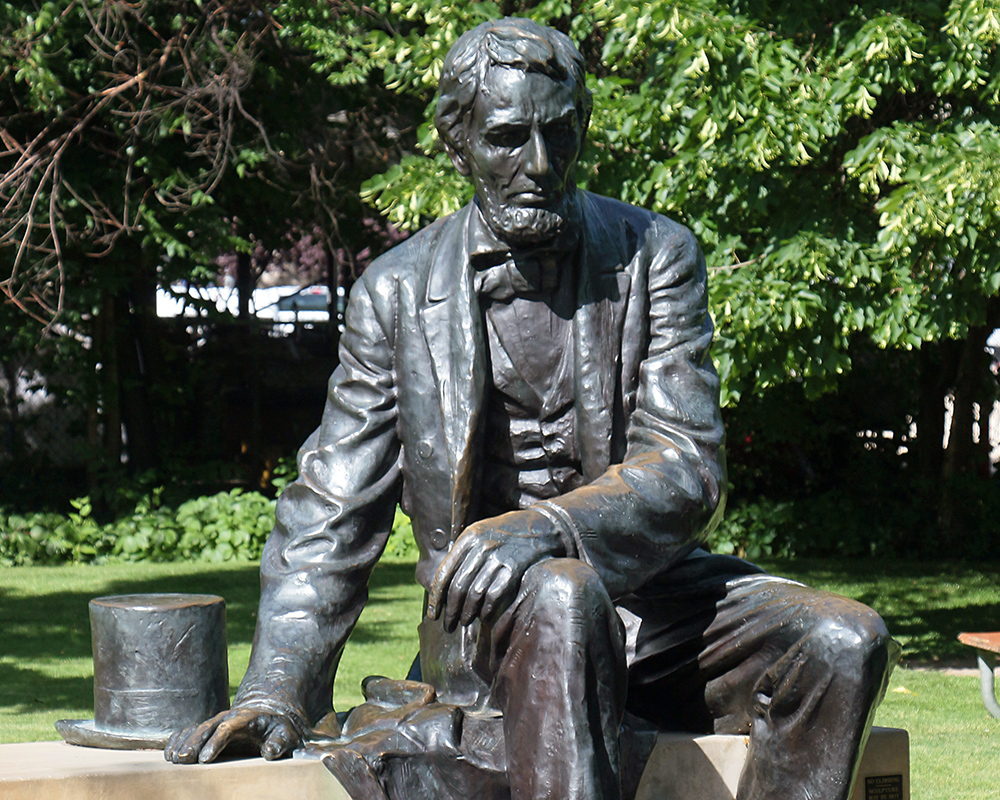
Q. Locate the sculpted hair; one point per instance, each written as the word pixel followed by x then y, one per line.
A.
pixel 509 42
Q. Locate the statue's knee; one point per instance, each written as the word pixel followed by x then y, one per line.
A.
pixel 854 639
pixel 566 583
pixel 567 600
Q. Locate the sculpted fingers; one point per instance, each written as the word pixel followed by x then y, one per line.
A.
pixel 280 741
pixel 242 725
pixel 477 591
pixel 458 592
pixel 501 587
pixel 216 743
pixel 441 587
pixel 184 746
pixel 173 743
pixel 442 580
pixel 274 734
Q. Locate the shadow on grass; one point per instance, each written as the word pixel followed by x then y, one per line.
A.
pixel 54 626
pixel 925 606
pixel 26 691
pixel 57 624
pixel 932 635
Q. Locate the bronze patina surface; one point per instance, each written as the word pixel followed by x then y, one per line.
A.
pixel 530 378
pixel 160 664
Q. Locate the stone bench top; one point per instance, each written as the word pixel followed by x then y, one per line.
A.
pixel 684 765
pixel 982 641
pixel 60 771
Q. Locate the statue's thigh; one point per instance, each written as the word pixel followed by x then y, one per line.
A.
pixel 702 662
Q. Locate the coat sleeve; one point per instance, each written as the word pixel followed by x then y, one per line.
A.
pixel 646 513
pixel 331 524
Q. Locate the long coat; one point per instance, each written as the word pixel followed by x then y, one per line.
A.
pixel 403 418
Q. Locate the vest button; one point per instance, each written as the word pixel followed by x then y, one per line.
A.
pixel 439 539
pixel 425 449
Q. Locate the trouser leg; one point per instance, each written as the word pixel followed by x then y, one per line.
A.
pixel 557 657
pixel 800 670
pixel 812 705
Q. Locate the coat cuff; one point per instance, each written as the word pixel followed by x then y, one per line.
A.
pixel 563 525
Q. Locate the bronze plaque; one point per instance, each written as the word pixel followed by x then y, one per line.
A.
pixel 884 787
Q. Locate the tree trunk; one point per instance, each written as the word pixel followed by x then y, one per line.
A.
pixel 961 457
pixel 109 382
pixel 136 348
pixel 244 284
pixel 104 420
pixel 930 415
pixel 12 433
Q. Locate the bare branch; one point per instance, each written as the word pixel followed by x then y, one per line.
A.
pixel 149 82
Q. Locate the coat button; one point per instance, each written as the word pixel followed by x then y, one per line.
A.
pixel 425 449
pixel 439 539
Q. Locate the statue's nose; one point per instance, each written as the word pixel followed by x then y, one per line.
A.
pixel 537 155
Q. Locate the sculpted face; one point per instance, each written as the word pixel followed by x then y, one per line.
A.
pixel 523 140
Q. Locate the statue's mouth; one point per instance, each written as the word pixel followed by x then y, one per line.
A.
pixel 535 198
pixel 530 198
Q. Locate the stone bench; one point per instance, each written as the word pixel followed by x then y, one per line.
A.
pixel 987 646
pixel 682 765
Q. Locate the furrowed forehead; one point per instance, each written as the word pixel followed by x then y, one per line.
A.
pixel 511 96
pixel 524 50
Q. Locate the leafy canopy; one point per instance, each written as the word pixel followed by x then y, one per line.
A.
pixel 181 128
pixel 838 161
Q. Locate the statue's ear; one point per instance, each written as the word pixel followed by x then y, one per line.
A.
pixel 458 159
pixel 584 126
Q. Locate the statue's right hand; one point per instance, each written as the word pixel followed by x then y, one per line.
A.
pixel 250 729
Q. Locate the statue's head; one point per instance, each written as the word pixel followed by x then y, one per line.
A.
pixel 513 113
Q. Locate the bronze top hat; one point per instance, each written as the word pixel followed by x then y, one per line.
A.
pixel 160 664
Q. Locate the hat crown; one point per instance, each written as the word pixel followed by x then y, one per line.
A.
pixel 160 664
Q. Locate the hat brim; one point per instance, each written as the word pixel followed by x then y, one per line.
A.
pixel 85 732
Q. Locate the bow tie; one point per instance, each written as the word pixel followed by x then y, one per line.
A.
pixel 519 273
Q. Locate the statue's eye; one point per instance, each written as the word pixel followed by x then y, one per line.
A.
pixel 561 132
pixel 508 136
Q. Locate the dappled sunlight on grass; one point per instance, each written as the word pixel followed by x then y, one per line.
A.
pixel 46 668
pixel 924 605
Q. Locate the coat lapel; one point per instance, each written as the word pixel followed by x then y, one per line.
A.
pixel 602 299
pixel 452 328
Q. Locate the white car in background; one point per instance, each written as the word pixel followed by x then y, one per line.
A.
pixel 993 348
pixel 283 306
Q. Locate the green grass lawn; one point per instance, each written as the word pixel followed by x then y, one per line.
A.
pixel 954 743
pixel 46 666
pixel 46 669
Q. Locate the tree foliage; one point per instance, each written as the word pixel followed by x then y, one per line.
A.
pixel 183 127
pixel 139 141
pixel 839 162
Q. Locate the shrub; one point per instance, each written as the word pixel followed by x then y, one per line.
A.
pixel 401 543
pixel 219 527
pixel 755 530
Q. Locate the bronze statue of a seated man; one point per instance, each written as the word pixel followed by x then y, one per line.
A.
pixel 530 378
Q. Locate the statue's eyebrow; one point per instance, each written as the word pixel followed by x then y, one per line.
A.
pixel 568 116
pixel 499 121
pixel 506 124
pixel 511 116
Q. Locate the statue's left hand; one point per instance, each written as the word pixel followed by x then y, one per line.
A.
pixel 273 735
pixel 484 567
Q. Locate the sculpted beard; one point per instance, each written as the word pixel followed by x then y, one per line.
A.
pixel 521 225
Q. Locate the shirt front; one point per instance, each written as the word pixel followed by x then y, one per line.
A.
pixel 531 451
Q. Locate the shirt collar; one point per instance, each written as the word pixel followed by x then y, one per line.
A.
pixel 502 272
pixel 486 247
